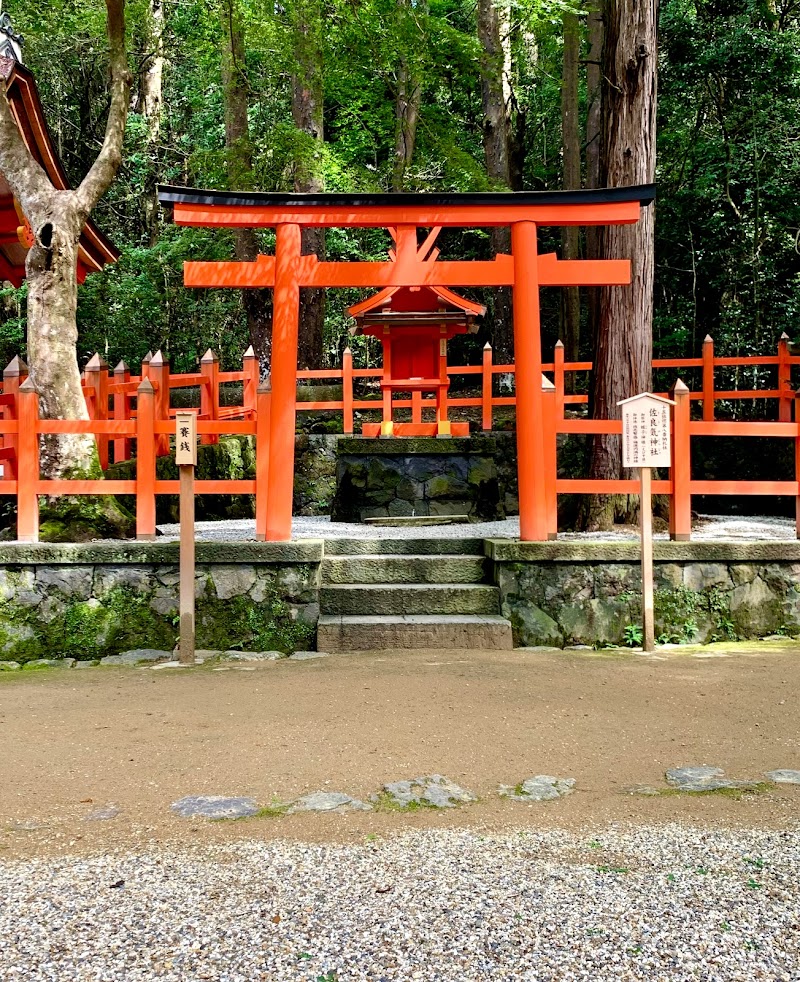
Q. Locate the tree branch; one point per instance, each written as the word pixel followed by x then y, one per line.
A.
pixel 104 169
pixel 25 176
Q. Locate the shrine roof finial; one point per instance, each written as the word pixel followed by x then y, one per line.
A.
pixel 10 41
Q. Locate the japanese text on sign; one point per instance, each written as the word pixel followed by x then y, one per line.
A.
pixel 185 439
pixel 645 431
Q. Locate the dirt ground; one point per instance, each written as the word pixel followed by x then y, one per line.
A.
pixel 71 741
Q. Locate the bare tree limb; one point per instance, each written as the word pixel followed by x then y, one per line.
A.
pixel 104 169
pixel 25 176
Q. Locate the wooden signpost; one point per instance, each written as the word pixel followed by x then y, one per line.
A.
pixel 645 445
pixel 186 459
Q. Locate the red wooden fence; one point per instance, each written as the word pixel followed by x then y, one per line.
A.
pixel 123 408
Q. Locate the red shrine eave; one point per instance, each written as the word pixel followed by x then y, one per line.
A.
pixel 601 206
pixel 95 250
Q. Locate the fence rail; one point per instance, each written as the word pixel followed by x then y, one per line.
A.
pixel 123 408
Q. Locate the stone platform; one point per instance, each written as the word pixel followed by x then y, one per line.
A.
pixel 383 478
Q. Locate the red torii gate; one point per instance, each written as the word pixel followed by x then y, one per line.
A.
pixel 524 270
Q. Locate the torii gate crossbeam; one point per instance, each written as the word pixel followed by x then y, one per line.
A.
pixel 524 270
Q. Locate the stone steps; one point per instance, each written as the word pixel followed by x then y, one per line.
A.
pixel 410 598
pixel 386 545
pixel 388 569
pixel 341 633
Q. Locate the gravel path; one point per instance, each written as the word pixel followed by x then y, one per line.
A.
pixel 665 903
pixel 706 527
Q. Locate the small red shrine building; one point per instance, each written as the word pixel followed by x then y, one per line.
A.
pixel 414 325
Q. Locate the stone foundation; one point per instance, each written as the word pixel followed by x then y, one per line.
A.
pixel 378 478
pixel 564 593
pixel 89 601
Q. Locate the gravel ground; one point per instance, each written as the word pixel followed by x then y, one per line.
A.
pixel 719 528
pixel 667 903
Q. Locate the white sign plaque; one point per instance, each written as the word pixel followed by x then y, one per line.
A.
pixel 185 439
pixel 646 431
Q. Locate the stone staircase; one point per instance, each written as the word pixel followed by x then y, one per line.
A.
pixel 408 593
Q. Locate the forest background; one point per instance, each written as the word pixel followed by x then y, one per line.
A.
pixel 379 95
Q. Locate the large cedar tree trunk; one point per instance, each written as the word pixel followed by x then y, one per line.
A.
pixel 307 113
pixel 571 142
pixel 594 127
pixel 57 219
pixel 496 148
pixel 257 303
pixel 623 340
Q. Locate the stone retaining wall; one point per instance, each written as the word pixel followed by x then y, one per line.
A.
pixel 562 593
pixel 87 601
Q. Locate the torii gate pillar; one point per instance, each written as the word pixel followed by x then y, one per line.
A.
pixel 528 361
pixel 283 413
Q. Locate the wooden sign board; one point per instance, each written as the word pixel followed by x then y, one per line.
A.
pixel 186 439
pixel 646 431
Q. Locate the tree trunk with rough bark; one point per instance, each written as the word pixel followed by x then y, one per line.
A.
pixel 152 93
pixel 594 125
pixel 571 142
pixel 57 219
pixel 624 336
pixel 257 303
pixel 407 103
pixel 307 113
pixel 497 151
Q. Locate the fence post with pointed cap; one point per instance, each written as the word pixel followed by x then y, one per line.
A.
pixel 680 509
pixel 96 375
pixel 797 463
pixel 145 461
pixel 146 364
pixel 708 378
pixel 486 388
pixel 263 398
pixel 251 371
pixel 28 463
pixel 121 401
pixel 347 391
pixel 550 462
pixel 159 376
pixel 14 374
pixel 558 378
pixel 785 394
pixel 209 392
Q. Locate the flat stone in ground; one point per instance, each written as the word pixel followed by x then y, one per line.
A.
pixel 103 814
pixel 168 664
pixel 135 656
pixel 702 778
pixel 235 655
pixel 307 655
pixel 434 790
pixel 9 666
pixel 214 806
pixel 642 789
pixel 49 663
pixel 328 801
pixel 783 776
pixel 542 787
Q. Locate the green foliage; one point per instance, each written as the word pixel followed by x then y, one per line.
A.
pixel 632 635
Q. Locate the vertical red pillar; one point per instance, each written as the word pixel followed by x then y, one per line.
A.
pixel 486 388
pixel 145 461
pixel 14 374
pixel 558 377
pixel 680 509
pixel 550 464
pixel 27 463
pixel 158 373
pixel 209 393
pixel 262 457
pixel 708 378
pixel 251 371
pixel 528 360
pixel 122 444
pixel 284 383
pixel 347 391
pixel 785 394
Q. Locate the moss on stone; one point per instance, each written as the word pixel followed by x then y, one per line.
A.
pixel 239 623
